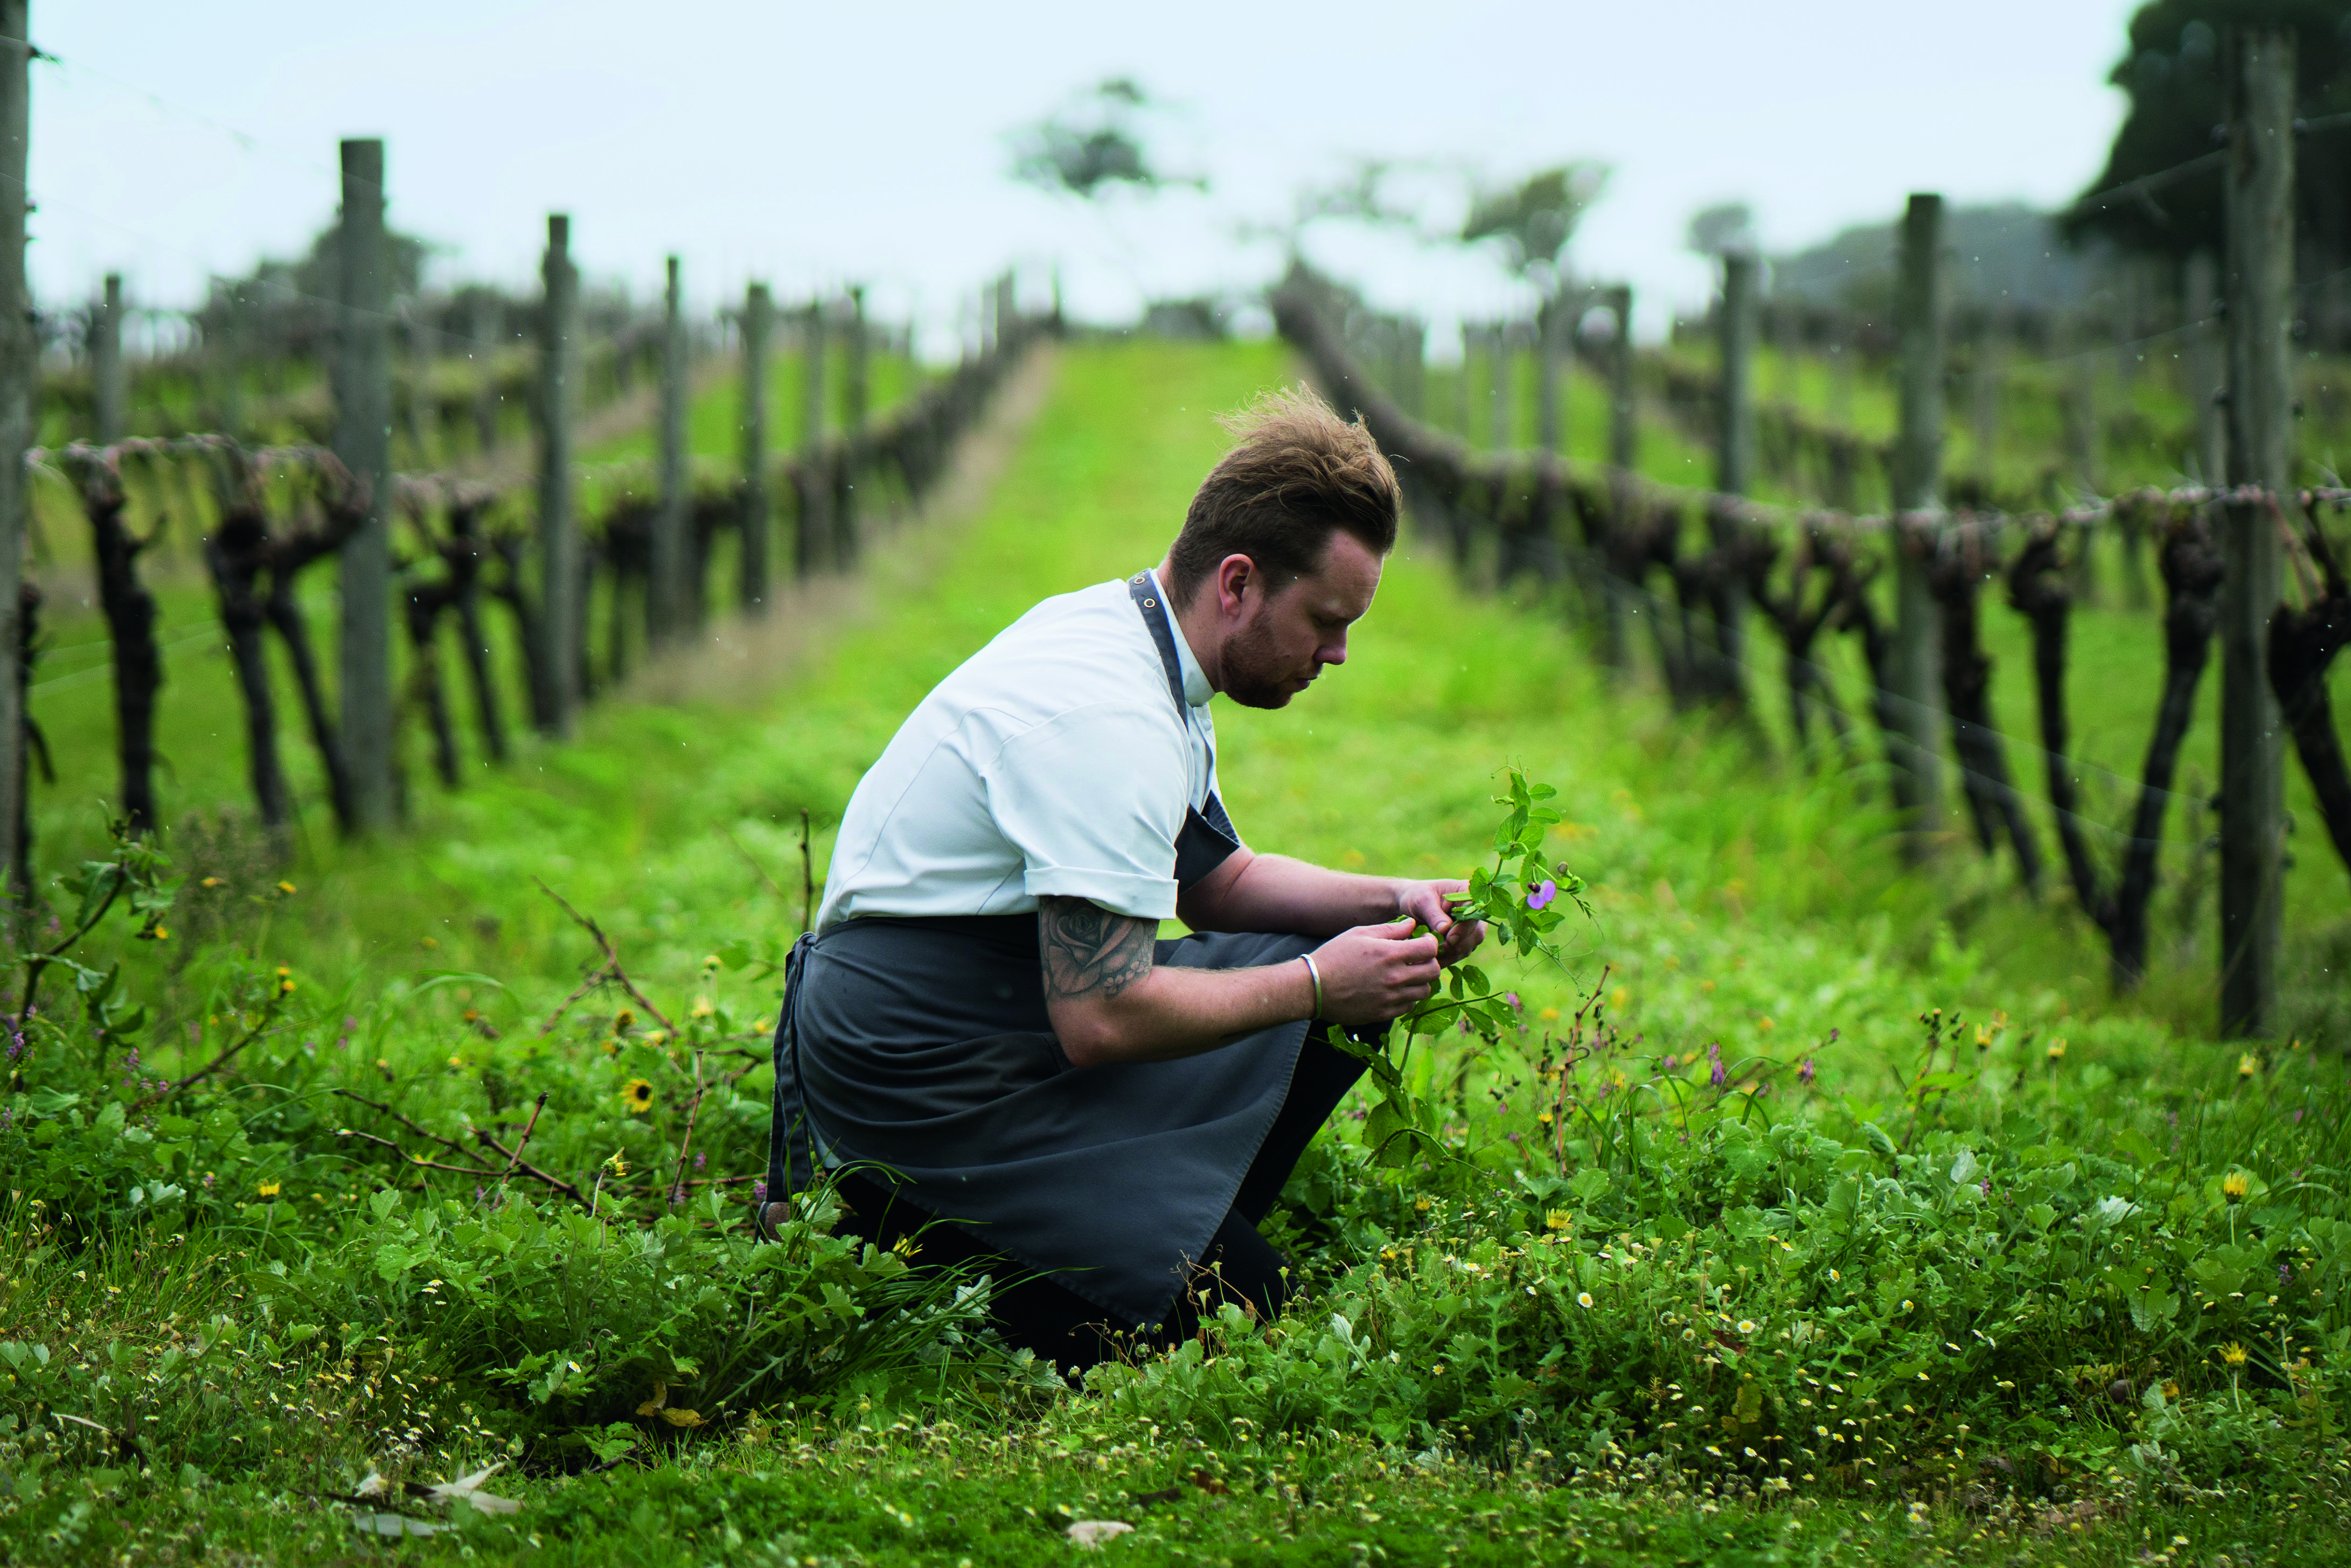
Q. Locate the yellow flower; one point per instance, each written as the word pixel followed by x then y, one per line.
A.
pixel 1545 1117
pixel 703 1007
pixel 1583 1298
pixel 2247 1065
pixel 636 1096
pixel 1548 1014
pixel 624 1019
pixel 2170 1389
pixel 2056 1048
pixel 1766 1025
pixel 1420 1206
pixel 285 887
pixel 710 961
pixel 905 1247
pixel 270 1189
pixel 161 935
pixel 210 882
pixel 2233 1353
pixel 618 1164
pixel 1556 1219
pixel 2235 1185
pixel 283 971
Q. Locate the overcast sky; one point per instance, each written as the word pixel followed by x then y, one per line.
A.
pixel 817 145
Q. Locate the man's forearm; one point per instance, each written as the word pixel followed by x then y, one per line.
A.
pixel 1275 892
pixel 1110 1002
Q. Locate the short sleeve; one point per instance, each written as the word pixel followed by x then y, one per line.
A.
pixel 1094 799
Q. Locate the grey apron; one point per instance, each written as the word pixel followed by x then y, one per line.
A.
pixel 922 1047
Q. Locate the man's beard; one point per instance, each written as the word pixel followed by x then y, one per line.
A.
pixel 1249 668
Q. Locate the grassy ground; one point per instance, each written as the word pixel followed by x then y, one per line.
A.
pixel 1641 1311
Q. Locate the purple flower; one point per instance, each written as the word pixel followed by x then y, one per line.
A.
pixel 1512 998
pixel 1669 1063
pixel 759 1189
pixel 2285 1274
pixel 1717 1078
pixel 1833 1036
pixel 698 1161
pixel 1543 894
pixel 1805 1073
pixel 1465 1026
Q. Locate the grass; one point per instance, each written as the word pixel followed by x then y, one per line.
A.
pixel 1753 903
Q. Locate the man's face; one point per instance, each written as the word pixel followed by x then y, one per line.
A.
pixel 1279 642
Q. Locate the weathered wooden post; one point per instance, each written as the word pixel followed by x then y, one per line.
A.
pixel 1463 404
pixel 1549 332
pixel 481 326
pixel 1734 436
pixel 1918 475
pixel 557 669
pixel 665 590
pixel 1498 374
pixel 1983 385
pixel 2206 365
pixel 2260 207
pixel 814 532
pixel 1624 455
pixel 1734 464
pixel 106 363
pixel 1624 432
pixel 19 371
pixel 858 390
pixel 363 442
pixel 759 319
pixel 228 359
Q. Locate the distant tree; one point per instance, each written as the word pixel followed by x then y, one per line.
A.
pixel 2175 74
pixel 1534 221
pixel 1092 145
pixel 1727 227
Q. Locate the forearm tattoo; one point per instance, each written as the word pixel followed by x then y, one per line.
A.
pixel 1090 952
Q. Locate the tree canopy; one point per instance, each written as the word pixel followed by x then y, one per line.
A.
pixel 2175 73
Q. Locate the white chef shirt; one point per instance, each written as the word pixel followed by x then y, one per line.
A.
pixel 1054 762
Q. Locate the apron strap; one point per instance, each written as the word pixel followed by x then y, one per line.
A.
pixel 1146 598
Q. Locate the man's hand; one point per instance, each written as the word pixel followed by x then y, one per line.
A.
pixel 1376 973
pixel 1429 902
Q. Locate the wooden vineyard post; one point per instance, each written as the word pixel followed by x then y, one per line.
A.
pixel 106 363
pixel 1734 461
pixel 1624 435
pixel 1912 676
pixel 1550 317
pixel 666 606
pixel 363 442
pixel 19 371
pixel 814 532
pixel 1623 453
pixel 481 326
pixel 859 381
pixel 2260 207
pixel 556 670
pixel 855 397
pixel 2206 365
pixel 758 318
pixel 1734 436
pixel 1498 375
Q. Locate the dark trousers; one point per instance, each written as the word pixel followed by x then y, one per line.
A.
pixel 1065 1328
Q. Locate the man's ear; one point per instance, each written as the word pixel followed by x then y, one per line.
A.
pixel 1235 575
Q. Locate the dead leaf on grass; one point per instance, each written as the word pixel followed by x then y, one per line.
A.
pixel 1087 1534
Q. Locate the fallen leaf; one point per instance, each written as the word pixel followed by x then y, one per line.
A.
pixel 1209 1483
pixel 374 1486
pixel 660 1398
pixel 396 1524
pixel 1089 1534
pixel 467 1489
pixel 682 1417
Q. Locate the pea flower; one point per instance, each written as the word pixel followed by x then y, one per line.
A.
pixel 1543 894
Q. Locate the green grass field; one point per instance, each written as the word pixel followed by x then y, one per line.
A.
pixel 1781 1264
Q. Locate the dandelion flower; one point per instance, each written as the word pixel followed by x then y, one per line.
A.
pixel 285 887
pixel 2233 1353
pixel 905 1247
pixel 1555 1219
pixel 618 1164
pixel 2056 1048
pixel 2235 1185
pixel 1583 1299
pixel 270 1189
pixel 2247 1065
pixel 636 1096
